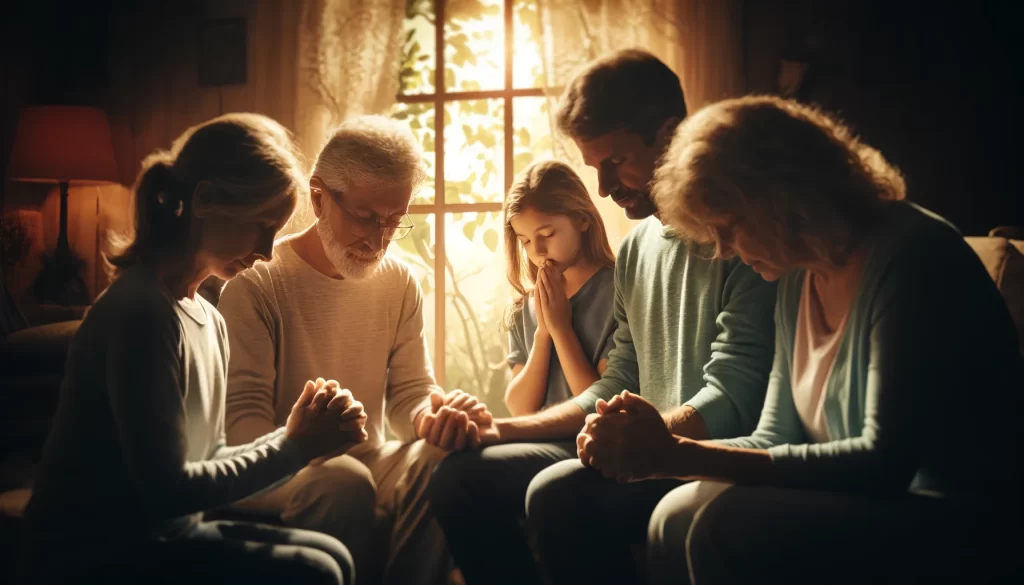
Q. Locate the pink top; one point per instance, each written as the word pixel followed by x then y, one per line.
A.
pixel 821 321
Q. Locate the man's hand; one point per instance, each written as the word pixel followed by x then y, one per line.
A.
pixel 626 440
pixel 325 421
pixel 465 402
pixel 446 427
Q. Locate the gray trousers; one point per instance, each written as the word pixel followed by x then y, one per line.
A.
pixel 712 533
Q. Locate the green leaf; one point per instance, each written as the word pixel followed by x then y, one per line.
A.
pixel 468 132
pixel 524 137
pixel 491 239
pixel 522 160
pixel 469 228
pixel 487 139
pixel 428 142
pixel 415 124
pixel 449 79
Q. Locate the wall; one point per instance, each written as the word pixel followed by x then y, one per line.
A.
pixel 934 87
pixel 139 62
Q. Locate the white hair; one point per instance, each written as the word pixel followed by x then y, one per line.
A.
pixel 370 150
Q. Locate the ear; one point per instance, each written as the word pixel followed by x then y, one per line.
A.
pixel 202 199
pixel 665 133
pixel 316 195
pixel 584 224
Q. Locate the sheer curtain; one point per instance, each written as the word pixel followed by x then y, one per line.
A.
pixel 701 40
pixel 348 58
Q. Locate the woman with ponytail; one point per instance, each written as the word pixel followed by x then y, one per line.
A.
pixel 137 450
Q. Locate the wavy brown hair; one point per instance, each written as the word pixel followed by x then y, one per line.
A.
pixel 552 188
pixel 787 170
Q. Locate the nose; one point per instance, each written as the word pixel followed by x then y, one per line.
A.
pixel 376 241
pixel 540 248
pixel 265 248
pixel 607 182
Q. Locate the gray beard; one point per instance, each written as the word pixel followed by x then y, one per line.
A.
pixel 347 262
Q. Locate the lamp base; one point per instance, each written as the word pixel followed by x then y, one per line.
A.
pixel 60 280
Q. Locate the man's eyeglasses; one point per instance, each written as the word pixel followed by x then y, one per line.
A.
pixel 368 226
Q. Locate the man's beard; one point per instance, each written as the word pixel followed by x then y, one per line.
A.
pixel 348 262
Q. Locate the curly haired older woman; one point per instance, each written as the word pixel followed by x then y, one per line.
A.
pixel 887 448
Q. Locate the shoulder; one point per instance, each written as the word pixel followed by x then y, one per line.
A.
pixel 914 244
pixel 134 305
pixel 135 294
pixel 395 274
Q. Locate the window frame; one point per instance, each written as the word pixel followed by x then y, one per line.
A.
pixel 441 208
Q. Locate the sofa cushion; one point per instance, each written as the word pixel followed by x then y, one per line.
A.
pixel 1004 260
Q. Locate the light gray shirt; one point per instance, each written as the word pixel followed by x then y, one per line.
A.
pixel 593 321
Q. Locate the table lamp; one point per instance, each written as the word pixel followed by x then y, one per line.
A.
pixel 62 144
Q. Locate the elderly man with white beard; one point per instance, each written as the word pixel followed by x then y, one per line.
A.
pixel 330 304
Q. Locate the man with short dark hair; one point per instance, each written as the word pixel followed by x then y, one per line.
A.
pixel 694 337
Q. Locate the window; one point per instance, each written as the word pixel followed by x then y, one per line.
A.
pixel 471 90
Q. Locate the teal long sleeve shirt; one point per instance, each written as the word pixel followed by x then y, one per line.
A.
pixel 690 331
pixel 925 390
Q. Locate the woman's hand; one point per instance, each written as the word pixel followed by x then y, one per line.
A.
pixel 556 308
pixel 326 421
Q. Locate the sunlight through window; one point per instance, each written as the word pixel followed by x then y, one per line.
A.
pixel 472 150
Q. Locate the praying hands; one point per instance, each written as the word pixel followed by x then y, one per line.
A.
pixel 626 440
pixel 326 421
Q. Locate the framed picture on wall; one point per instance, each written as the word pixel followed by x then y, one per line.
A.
pixel 223 52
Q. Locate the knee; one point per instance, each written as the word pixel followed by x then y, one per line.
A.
pixel 668 528
pixel 330 495
pixel 323 567
pixel 709 531
pixel 555 492
pixel 446 490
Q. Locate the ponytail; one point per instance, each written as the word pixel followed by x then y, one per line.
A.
pixel 162 213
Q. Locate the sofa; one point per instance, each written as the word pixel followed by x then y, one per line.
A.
pixel 32 363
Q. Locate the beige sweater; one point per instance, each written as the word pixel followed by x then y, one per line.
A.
pixel 288 323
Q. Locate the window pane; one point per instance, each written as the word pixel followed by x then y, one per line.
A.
pixel 532 138
pixel 474 160
pixel 474 51
pixel 417 250
pixel 419 49
pixel 476 296
pixel 420 118
pixel 527 71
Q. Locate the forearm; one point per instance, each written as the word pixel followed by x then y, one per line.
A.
pixel 579 374
pixel 559 422
pixel 224 452
pixel 685 421
pixel 701 460
pixel 527 390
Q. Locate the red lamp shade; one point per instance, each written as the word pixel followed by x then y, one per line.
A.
pixel 63 144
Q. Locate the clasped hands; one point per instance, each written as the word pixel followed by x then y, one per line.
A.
pixel 456 420
pixel 626 440
pixel 326 421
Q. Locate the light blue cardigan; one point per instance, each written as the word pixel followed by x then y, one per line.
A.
pixel 926 386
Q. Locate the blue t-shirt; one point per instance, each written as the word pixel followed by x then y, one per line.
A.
pixel 593 321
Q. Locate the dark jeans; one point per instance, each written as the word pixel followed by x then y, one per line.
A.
pixel 216 553
pixel 478 497
pixel 586 527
